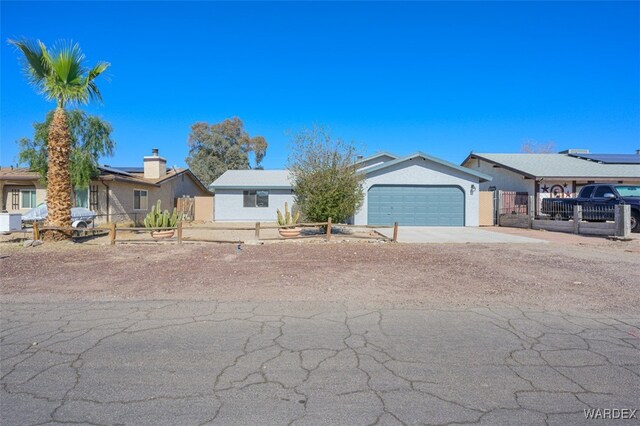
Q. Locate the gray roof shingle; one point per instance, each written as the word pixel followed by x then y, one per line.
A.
pixel 559 165
pixel 253 179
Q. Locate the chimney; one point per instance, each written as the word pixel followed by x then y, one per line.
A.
pixel 155 167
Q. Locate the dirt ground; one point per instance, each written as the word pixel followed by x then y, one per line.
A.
pixel 601 275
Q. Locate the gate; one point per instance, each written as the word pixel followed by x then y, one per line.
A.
pixel 487 208
pixel 186 206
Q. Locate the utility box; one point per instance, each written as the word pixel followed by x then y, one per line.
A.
pixel 10 222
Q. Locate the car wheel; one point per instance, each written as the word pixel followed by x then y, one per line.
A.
pixel 558 216
pixel 635 222
pixel 79 225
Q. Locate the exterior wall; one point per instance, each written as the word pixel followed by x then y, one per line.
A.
pixel 121 201
pixel 421 172
pixel 229 206
pixel 184 185
pixel 121 197
pixel 41 195
pixel 503 179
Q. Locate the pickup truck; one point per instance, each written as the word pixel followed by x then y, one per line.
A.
pixel 598 201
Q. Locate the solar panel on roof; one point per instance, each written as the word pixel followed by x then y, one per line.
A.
pixel 610 158
pixel 115 170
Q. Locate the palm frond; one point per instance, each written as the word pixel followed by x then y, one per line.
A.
pixel 33 55
pixel 60 74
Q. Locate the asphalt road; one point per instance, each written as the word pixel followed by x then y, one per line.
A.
pixel 183 363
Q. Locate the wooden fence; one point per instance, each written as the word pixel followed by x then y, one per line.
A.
pixel 114 230
pixel 257 228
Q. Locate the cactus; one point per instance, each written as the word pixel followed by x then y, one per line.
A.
pixel 162 219
pixel 289 218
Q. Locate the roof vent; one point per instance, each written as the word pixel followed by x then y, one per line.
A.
pixel 574 151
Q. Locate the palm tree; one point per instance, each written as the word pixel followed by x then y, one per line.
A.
pixel 60 75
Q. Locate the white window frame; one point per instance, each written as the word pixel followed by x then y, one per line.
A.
pixel 35 196
pixel 255 198
pixel 146 199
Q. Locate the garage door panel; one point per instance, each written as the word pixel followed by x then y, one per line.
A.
pixel 416 205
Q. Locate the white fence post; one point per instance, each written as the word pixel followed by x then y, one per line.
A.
pixel 577 218
pixel 623 220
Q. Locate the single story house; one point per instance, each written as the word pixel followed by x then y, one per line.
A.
pixel 116 194
pixel 553 175
pixel 415 190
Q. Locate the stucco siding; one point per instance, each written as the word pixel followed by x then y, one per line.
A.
pixel 229 206
pixel 41 195
pixel 422 172
pixel 503 179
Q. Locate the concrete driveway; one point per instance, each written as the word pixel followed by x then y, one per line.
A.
pixel 446 234
pixel 302 363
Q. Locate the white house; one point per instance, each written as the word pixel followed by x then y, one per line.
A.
pixel 251 195
pixel 416 190
pixel 554 175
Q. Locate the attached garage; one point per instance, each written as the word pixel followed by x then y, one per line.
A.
pixel 416 190
pixel 419 190
pixel 416 205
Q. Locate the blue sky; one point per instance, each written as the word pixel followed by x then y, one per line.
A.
pixel 444 78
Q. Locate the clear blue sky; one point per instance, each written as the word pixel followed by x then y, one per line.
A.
pixel 444 78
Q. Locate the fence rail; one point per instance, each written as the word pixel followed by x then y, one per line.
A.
pixel 114 230
pixel 593 220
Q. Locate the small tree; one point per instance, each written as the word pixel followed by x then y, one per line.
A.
pixel 90 139
pixel 326 183
pixel 216 148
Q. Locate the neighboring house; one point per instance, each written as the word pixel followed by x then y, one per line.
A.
pixel 416 190
pixel 116 194
pixel 554 175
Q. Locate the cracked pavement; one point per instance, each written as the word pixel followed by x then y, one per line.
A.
pixel 303 363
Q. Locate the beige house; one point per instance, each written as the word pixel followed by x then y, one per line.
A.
pixel 117 194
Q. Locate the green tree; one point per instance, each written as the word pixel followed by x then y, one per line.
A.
pixel 60 76
pixel 90 140
pixel 216 148
pixel 326 183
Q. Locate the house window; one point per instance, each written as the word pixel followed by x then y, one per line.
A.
pixel 140 197
pixel 15 199
pixel 93 198
pixel 28 198
pixel 258 198
pixel 81 196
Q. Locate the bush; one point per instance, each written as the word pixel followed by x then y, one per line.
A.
pixel 326 183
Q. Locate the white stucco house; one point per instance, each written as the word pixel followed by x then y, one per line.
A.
pixel 553 175
pixel 415 190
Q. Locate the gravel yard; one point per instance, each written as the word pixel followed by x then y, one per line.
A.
pixel 598 277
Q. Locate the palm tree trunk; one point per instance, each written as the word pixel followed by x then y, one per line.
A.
pixel 59 176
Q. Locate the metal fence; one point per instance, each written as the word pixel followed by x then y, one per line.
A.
pixel 555 211
pixel 513 202
pixel 598 213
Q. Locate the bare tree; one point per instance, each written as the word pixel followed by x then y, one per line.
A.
pixel 532 147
